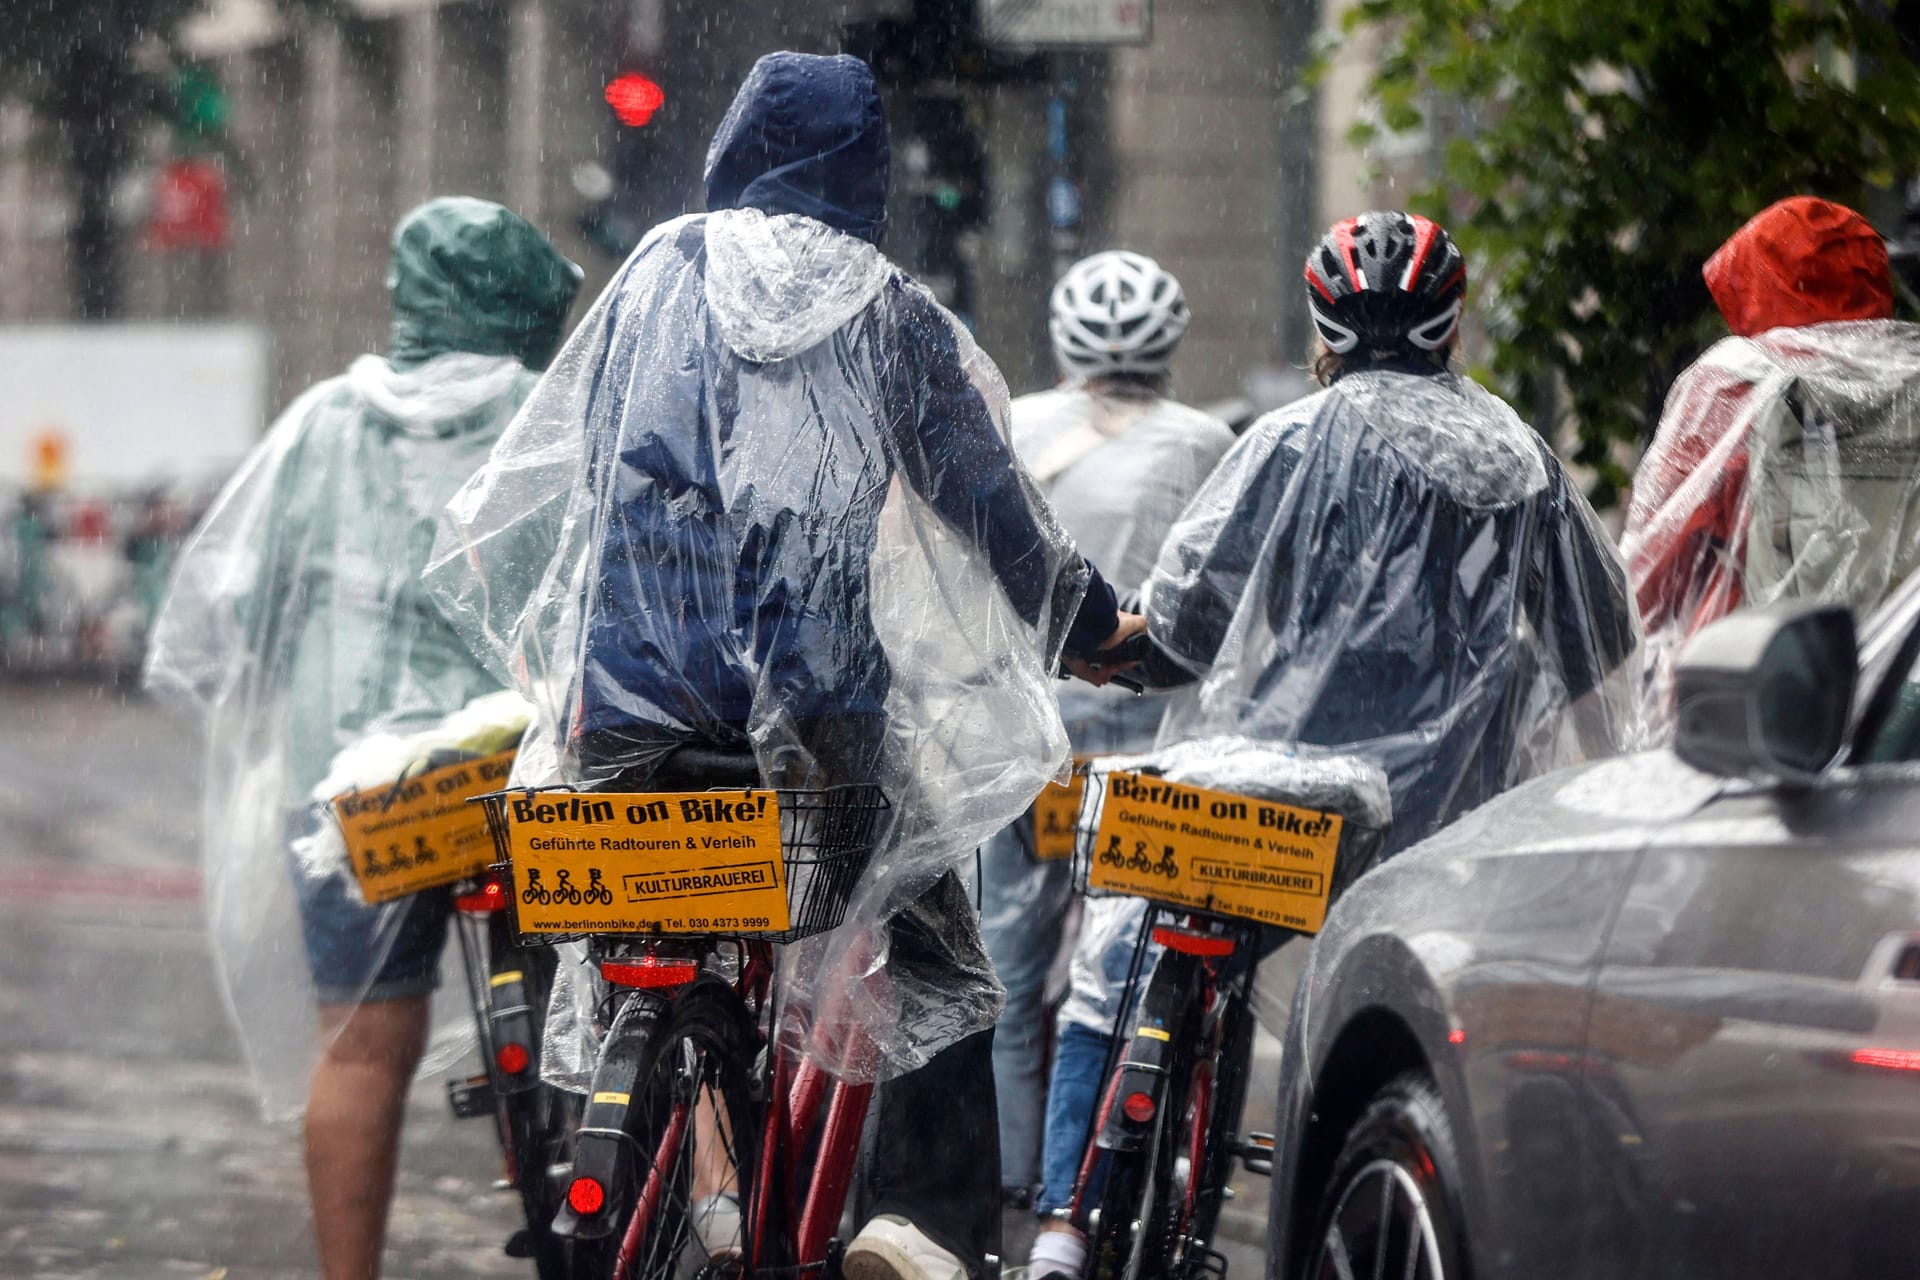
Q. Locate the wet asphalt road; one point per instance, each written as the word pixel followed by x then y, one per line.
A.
pixel 130 1145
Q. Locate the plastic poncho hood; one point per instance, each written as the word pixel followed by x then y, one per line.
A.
pixel 805 135
pixel 763 500
pixel 1785 466
pixel 471 276
pixel 1798 262
pixel 295 629
pixel 1398 569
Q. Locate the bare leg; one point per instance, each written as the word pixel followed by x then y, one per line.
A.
pixel 354 1111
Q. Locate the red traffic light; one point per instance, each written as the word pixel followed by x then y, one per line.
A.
pixel 634 98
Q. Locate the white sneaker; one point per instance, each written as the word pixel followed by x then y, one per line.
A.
pixel 891 1248
pixel 716 1220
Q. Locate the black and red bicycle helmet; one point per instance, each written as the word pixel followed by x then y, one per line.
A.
pixel 1386 285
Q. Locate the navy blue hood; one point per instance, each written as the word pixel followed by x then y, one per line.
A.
pixel 806 135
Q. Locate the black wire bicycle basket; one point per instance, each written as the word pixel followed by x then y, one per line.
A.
pixel 827 837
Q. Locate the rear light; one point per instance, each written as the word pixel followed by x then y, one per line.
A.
pixel 1139 1107
pixel 512 1058
pixel 586 1195
pixel 649 971
pixel 1189 943
pixel 491 896
pixel 1888 1059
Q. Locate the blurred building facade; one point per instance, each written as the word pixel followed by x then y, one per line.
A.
pixel 1202 147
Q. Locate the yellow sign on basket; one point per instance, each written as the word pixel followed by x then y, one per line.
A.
pixel 420 832
pixel 656 861
pixel 1215 851
pixel 1055 810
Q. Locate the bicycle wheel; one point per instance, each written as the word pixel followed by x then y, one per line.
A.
pixel 1207 1133
pixel 695 1134
pixel 1132 1234
pixel 537 1123
pixel 1133 1228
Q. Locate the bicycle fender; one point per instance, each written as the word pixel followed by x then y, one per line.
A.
pixel 510 1020
pixel 602 1150
pixel 1144 1067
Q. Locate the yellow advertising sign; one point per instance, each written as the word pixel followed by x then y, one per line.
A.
pixel 655 861
pixel 1215 851
pixel 421 832
pixel 1055 810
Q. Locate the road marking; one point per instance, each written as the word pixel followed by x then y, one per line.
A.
pixel 175 884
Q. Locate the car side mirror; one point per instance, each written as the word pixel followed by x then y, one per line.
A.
pixel 1767 693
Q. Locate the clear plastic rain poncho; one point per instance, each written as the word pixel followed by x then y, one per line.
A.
pixel 1118 468
pixel 1787 466
pixel 763 500
pixel 1787 460
pixel 297 631
pixel 1397 568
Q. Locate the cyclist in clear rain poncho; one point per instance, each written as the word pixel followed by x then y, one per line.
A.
pixel 297 629
pixel 1395 568
pixel 764 501
pixel 1118 461
pixel 1787 460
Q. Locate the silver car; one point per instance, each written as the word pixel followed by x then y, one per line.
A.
pixel 1655 1016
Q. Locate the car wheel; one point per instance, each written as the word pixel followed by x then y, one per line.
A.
pixel 1391 1208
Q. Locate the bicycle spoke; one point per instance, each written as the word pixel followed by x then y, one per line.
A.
pixel 1337 1253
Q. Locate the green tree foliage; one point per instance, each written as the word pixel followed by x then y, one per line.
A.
pixel 1600 152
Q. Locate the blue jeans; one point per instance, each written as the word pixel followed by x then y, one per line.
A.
pixel 1023 909
pixel 1023 904
pixel 1078 1055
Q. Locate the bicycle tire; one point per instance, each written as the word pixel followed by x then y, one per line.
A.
pixel 706 1044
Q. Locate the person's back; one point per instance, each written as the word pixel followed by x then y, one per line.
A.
pixel 1118 460
pixel 764 503
pixel 1396 565
pixel 1786 464
pixel 297 627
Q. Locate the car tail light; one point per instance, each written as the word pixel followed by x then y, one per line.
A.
pixel 491 896
pixel 1189 943
pixel 649 971
pixel 512 1058
pixel 586 1195
pixel 1888 1059
pixel 1139 1107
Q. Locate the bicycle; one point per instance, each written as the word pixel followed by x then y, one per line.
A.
pixel 701 1146
pixel 507 988
pixel 1164 1138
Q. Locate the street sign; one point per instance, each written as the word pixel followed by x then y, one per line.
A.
pixel 1054 23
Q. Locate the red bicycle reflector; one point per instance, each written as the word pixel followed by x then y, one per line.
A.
pixel 512 1058
pixel 634 98
pixel 1457 1036
pixel 1139 1107
pixel 1888 1059
pixel 586 1195
pixel 492 896
pixel 1192 944
pixel 649 972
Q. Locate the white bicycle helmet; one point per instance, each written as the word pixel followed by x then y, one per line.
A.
pixel 1116 312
